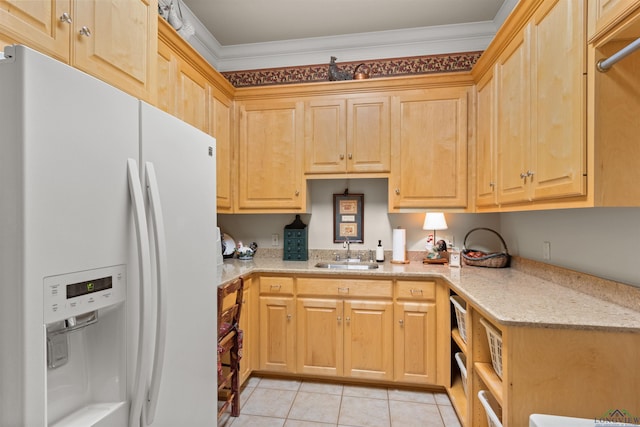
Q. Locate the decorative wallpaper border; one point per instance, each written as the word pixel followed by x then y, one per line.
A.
pixel 377 68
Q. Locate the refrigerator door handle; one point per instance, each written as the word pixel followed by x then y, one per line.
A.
pixel 144 261
pixel 162 277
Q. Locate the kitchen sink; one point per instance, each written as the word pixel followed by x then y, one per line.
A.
pixel 347 265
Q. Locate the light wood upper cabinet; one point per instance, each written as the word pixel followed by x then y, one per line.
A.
pixel 429 149
pixel 541 107
pixel 220 125
pixel 114 40
pixel 347 135
pixel 41 25
pixel 558 119
pixel 486 150
pixel 604 14
pixel 122 44
pixel 512 75
pixel 192 96
pixel 325 136
pixel 270 146
pixel 166 79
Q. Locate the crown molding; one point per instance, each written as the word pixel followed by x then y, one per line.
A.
pixel 351 47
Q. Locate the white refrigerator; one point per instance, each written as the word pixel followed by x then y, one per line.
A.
pixel 107 255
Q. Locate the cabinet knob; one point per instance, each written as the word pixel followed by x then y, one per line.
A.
pixel 276 287
pixel 339 319
pixel 348 319
pixel 415 292
pixel 350 156
pixel 341 156
pixel 297 193
pixel 289 317
pixel 401 322
pixel 85 31
pixel 523 175
pixel 529 173
pixel 66 18
pixel 492 184
pixel 397 191
pixel 343 291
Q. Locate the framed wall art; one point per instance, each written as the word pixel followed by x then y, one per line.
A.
pixel 348 217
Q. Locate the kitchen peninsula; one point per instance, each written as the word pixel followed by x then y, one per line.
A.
pixel 563 351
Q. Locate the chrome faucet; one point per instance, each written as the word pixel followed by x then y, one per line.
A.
pixel 347 244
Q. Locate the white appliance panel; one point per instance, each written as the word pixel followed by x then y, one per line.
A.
pixel 184 161
pixel 64 148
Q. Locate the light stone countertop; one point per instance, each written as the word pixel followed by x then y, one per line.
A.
pixel 506 295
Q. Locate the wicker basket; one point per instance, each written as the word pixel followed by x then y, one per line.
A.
pixel 493 259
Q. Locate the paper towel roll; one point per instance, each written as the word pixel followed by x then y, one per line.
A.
pixel 399 243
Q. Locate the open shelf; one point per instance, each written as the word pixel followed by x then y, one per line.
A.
pixel 490 378
pixel 458 398
pixel 455 334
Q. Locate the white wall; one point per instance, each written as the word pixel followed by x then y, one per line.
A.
pixel 378 223
pixel 599 241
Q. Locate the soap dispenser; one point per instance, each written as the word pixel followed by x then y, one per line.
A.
pixel 380 252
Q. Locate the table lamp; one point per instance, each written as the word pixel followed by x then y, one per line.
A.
pixel 434 221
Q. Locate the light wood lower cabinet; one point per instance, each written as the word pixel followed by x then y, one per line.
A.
pixel 564 371
pixel 368 341
pixel 320 337
pixel 415 342
pixel 344 328
pixel 341 336
pixel 248 320
pixel 345 338
pixel 277 324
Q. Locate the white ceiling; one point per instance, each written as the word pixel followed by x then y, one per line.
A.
pixel 240 31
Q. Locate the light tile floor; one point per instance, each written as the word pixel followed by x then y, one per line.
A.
pixel 294 403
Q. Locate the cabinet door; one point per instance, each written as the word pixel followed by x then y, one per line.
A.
pixel 415 342
pixel 319 337
pixel 558 128
pixel 325 136
pixel 368 139
pixel 512 74
pixel 270 157
pixel 37 24
pixel 220 128
pixel 277 334
pixel 603 14
pixel 166 79
pixel 192 96
pixel 486 143
pixel 429 145
pixel 368 339
pixel 245 323
pixel 122 45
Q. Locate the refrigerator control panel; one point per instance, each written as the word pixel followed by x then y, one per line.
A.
pixel 73 294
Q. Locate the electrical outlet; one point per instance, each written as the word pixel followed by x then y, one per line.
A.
pixel 275 239
pixel 546 250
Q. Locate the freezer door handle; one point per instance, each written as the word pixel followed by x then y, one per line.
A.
pixel 144 261
pixel 162 277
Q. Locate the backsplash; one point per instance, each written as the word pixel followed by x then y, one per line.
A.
pixel 377 68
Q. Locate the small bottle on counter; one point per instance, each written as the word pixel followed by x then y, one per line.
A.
pixel 380 252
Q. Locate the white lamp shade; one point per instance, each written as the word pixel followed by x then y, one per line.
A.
pixel 434 221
